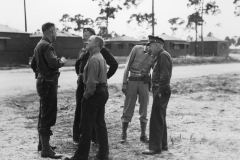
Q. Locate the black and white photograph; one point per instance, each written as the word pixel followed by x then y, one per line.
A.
pixel 120 79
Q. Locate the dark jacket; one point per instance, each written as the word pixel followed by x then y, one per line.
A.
pixel 162 70
pixel 45 62
pixel 110 60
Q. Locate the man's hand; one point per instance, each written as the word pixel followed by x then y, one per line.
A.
pixel 63 59
pixel 124 88
pixel 159 94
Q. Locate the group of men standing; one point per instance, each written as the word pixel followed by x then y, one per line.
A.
pixel 92 92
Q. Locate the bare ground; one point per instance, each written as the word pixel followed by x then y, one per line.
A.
pixel 203 120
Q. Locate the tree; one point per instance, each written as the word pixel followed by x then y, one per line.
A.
pixel 107 12
pixel 197 17
pixel 237 7
pixel 210 34
pixel 189 38
pixel 81 22
pixel 175 22
pixel 229 40
pixel 238 42
pixel 65 19
pixel 142 19
pixel 130 3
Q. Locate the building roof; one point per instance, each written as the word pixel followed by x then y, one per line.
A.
pixel 59 34
pixel 7 29
pixel 122 38
pixel 212 39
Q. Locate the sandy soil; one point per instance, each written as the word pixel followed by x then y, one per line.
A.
pixel 203 119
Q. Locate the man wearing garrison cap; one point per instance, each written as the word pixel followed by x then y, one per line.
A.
pixel 79 67
pixel 161 75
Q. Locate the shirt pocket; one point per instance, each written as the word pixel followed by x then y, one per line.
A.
pixel 136 64
pixel 147 64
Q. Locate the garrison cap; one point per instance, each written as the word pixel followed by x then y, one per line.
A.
pixel 152 39
pixel 90 30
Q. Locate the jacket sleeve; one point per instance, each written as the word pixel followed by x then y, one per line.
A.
pixel 128 64
pixel 164 69
pixel 111 61
pixel 77 63
pixel 52 60
pixel 34 66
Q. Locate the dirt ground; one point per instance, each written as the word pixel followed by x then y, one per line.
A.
pixel 203 119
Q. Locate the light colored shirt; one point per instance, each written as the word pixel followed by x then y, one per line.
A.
pixel 95 72
pixel 138 62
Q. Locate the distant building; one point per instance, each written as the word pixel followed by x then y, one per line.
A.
pixel 211 47
pixel 175 46
pixel 14 46
pixel 121 46
pixel 67 44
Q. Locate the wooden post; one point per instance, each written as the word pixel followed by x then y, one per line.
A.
pixel 25 16
pixel 153 17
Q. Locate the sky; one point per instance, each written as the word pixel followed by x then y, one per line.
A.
pixel 41 11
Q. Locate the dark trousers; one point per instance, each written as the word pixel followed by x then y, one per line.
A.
pixel 47 91
pixel 77 117
pixel 93 113
pixel 158 126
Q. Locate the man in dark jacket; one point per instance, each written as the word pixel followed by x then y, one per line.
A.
pixel 79 67
pixel 46 66
pixel 161 76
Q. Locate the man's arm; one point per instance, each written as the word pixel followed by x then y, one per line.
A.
pixel 111 61
pixel 34 66
pixel 77 63
pixel 92 77
pixel 164 72
pixel 52 59
pixel 130 59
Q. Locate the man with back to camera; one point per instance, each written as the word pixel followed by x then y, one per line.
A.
pixel 79 67
pixel 161 76
pixel 139 64
pixel 46 66
pixel 93 103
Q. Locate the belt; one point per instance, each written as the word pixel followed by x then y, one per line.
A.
pixel 136 78
pixel 157 85
pixel 136 74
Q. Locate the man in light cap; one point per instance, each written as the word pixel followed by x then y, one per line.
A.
pixel 79 67
pixel 137 85
pixel 161 75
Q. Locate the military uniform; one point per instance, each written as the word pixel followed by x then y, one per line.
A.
pixel 162 72
pixel 139 65
pixel 46 64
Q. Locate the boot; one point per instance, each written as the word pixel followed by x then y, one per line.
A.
pixel 124 132
pixel 46 150
pixel 143 137
pixel 40 145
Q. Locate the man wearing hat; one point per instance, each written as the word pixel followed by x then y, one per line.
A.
pixel 136 85
pixel 79 67
pixel 161 75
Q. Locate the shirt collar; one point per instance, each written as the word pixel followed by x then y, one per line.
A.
pixel 46 39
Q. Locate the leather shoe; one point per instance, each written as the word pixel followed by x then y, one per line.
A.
pixel 40 147
pixel 151 152
pixel 144 139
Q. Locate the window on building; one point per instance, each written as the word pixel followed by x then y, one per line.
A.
pixel 108 46
pixel 181 46
pixel 171 46
pixel 2 44
pixel 130 45
pixel 120 46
